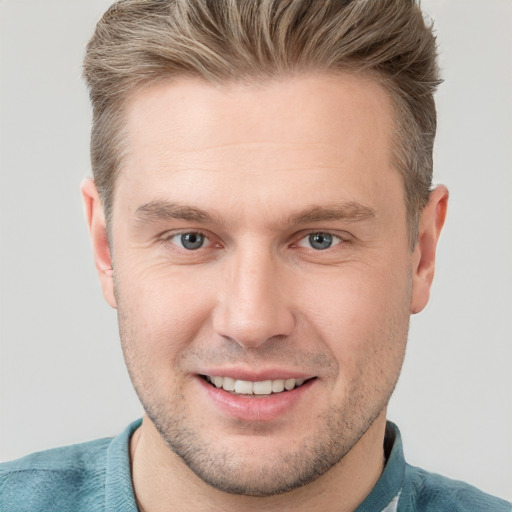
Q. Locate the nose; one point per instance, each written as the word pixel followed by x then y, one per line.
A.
pixel 254 306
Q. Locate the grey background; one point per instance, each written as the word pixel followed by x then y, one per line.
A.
pixel 62 378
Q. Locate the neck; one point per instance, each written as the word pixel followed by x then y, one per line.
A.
pixel 162 482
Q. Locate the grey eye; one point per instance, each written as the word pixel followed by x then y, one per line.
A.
pixel 190 241
pixel 319 241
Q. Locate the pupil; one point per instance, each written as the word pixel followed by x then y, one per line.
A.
pixel 320 241
pixel 192 240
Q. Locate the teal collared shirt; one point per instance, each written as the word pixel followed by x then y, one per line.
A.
pixel 96 477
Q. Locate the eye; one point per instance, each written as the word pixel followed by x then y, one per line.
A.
pixel 319 241
pixel 190 241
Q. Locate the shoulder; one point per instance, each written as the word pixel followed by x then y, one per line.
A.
pixel 52 479
pixel 432 492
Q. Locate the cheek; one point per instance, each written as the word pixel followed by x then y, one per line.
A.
pixel 363 318
pixel 161 311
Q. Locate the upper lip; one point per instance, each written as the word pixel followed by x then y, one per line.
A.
pixel 255 375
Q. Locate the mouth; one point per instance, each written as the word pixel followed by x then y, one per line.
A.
pixel 254 388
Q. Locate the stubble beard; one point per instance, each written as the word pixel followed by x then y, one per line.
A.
pixel 277 473
pixel 337 430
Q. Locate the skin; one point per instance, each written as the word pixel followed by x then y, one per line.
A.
pixel 266 166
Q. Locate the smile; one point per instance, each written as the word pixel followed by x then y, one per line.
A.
pixel 247 387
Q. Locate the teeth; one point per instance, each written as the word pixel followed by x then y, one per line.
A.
pixel 262 388
pixel 277 386
pixel 247 387
pixel 243 387
pixel 228 384
pixel 289 384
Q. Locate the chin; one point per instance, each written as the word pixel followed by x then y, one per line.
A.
pixel 255 464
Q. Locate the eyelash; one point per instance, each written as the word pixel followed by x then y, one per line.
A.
pixel 170 237
pixel 336 240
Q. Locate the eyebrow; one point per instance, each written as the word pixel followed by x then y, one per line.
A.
pixel 351 211
pixel 165 210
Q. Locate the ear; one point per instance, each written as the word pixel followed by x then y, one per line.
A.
pixel 424 256
pixel 98 231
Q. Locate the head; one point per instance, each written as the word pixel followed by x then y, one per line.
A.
pixel 263 170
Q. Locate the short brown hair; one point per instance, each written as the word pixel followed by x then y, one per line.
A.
pixel 142 41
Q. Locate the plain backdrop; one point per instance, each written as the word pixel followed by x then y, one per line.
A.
pixel 62 377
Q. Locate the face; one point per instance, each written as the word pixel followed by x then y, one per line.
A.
pixel 262 273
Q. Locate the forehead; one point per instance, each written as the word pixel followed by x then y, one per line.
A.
pixel 329 136
pixel 294 109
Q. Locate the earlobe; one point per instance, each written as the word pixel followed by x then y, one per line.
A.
pixel 424 257
pixel 98 231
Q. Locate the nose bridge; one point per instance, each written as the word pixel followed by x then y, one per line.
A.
pixel 254 306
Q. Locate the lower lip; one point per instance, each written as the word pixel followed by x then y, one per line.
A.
pixel 255 407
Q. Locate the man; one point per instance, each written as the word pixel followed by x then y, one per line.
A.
pixel 262 219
